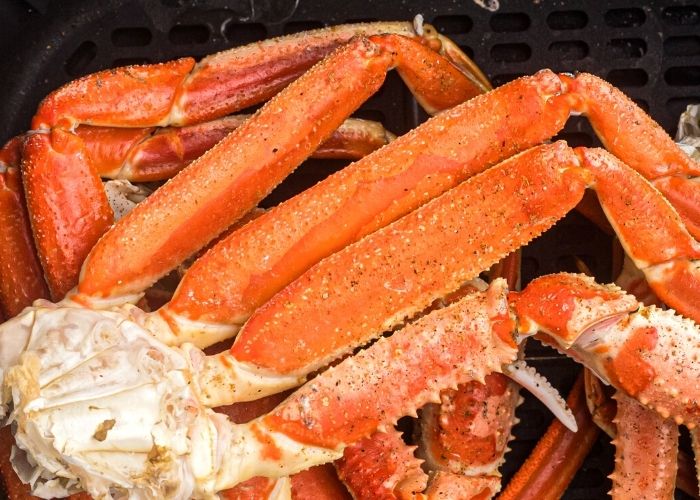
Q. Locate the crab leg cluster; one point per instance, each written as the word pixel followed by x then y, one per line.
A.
pixel 58 159
pixel 310 295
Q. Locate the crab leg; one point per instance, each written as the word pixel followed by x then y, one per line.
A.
pixel 381 466
pixel 149 154
pixel 67 205
pixel 220 186
pixel 181 92
pixel 21 280
pixel 650 231
pixel 646 447
pixel 643 144
pixel 466 436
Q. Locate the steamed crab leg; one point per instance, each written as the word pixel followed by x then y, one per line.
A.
pixel 153 154
pixel 646 447
pixel 642 144
pixel 401 261
pixel 21 280
pixel 220 186
pixel 183 92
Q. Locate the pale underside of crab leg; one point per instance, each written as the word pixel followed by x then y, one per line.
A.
pixel 646 447
pixel 215 190
pixel 363 197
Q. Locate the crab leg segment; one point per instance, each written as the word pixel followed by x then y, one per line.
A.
pixel 67 205
pixel 650 230
pixel 181 92
pixel 641 352
pixel 646 447
pixel 148 154
pixel 630 134
pixel 365 196
pixel 21 279
pixel 230 179
pixel 382 466
pixel 466 435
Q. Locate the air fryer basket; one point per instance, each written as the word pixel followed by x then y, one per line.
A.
pixel 651 52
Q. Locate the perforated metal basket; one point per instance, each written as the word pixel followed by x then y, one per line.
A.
pixel 652 52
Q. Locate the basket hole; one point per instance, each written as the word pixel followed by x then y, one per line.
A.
pixel 509 22
pixel 299 26
pixel 677 105
pixel 627 48
pixel 567 20
pixel 633 77
pixel 131 37
pixel 683 75
pixel 681 16
pixel 570 50
pixel 359 20
pixel 501 79
pixel 682 46
pixel 467 50
pixel 575 139
pixel 453 25
pixel 531 266
pixel 370 114
pixel 588 478
pixel 243 33
pixel 642 104
pixel 78 62
pixel 533 416
pixel 130 61
pixel 188 34
pixel 511 52
pixel 625 18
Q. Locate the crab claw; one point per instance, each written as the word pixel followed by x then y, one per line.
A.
pixel 628 345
